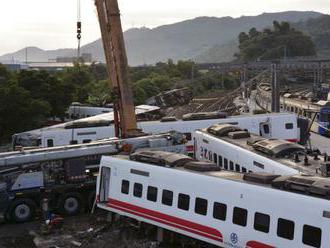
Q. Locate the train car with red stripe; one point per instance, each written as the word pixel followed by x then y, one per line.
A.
pixel 223 208
pixel 235 149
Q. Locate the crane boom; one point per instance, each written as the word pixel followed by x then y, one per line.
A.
pixel 117 67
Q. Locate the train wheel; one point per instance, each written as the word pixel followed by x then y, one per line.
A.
pixel 22 210
pixel 70 203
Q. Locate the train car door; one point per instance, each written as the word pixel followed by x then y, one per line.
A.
pixel 265 129
pixel 104 184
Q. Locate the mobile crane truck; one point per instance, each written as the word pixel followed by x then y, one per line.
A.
pixel 66 175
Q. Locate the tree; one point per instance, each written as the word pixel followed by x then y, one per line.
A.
pixel 49 88
pixel 80 78
pixel 4 74
pixel 274 43
pixel 19 111
pixel 187 69
pixel 140 95
pixel 98 71
pixel 253 33
pixel 242 37
pixel 100 93
pixel 149 87
pixel 163 82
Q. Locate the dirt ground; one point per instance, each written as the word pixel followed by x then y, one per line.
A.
pixel 79 231
pixel 90 231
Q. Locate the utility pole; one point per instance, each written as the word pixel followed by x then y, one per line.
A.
pixel 26 55
pixel 192 73
pixel 275 89
pixel 314 82
pixel 243 82
pixel 285 53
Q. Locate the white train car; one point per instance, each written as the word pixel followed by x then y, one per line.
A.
pixel 268 125
pixel 234 149
pixel 79 111
pixel 302 107
pixel 222 208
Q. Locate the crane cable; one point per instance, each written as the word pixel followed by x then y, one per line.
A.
pixel 78 29
pixel 78 57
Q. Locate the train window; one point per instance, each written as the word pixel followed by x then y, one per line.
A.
pixel 261 222
pixel 50 143
pixel 220 161
pixel 266 128
pixel 285 228
pixel 200 206
pixel 125 187
pixel 188 136
pixel 226 164
pixel 152 194
pixel 231 165
pixel 219 211
pixel 244 170
pixel 73 142
pixel 240 216
pixel 261 166
pixel 167 198
pixel 137 192
pixel 215 158
pixel 312 236
pixel 183 202
pixel 237 167
pixel 289 125
pixel 324 117
pixel 87 141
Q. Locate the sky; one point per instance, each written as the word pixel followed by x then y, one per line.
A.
pixel 51 24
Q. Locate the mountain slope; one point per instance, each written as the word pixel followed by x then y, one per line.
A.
pixel 183 40
pixel 319 30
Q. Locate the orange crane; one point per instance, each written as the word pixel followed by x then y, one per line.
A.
pixel 117 67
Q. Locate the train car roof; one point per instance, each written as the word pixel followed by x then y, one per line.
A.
pixel 142 109
pixel 106 117
pixel 308 185
pixel 298 164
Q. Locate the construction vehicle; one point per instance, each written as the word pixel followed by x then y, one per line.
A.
pixel 117 67
pixel 65 175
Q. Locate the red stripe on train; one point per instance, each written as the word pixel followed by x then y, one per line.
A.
pixel 293 140
pixel 255 244
pixel 189 148
pixel 169 220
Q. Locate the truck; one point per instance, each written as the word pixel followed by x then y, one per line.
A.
pixel 65 176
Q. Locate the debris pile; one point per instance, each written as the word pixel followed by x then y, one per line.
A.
pixel 175 97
